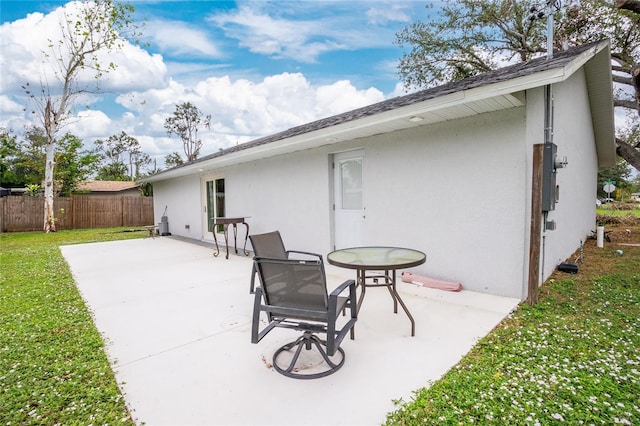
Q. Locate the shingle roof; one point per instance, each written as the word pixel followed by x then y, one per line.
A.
pixel 559 59
pixel 364 121
pixel 105 185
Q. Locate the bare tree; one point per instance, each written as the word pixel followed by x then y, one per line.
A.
pixel 93 27
pixel 184 122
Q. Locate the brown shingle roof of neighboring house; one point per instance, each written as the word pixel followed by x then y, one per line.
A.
pixel 105 186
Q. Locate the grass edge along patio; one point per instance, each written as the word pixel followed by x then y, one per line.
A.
pixel 572 357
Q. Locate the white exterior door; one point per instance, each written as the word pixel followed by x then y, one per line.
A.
pixel 349 209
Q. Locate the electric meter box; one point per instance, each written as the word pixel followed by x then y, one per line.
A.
pixel 549 186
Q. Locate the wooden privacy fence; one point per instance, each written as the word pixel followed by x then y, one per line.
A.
pixel 24 213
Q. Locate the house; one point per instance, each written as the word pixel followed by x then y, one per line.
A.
pixel 447 170
pixel 108 187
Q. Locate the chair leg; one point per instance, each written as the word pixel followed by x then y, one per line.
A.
pixel 308 341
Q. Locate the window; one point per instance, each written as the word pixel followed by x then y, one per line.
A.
pixel 215 202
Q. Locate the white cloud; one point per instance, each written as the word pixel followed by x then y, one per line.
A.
pixel 341 96
pixel 393 12
pixel 180 39
pixel 400 90
pixel 23 59
pixel 8 106
pixel 262 34
pixel 89 125
pixel 242 108
pixel 135 69
pixel 12 114
pixel 305 30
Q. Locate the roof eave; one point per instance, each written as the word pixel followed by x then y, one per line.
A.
pixel 595 60
pixel 600 89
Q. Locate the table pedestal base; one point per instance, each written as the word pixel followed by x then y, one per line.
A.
pixel 389 281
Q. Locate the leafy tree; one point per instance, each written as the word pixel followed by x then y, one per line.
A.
pixel 470 37
pixel 9 158
pixel 32 162
pixel 73 165
pixel 635 184
pixel 123 156
pixel 33 189
pixel 96 26
pixel 173 160
pixel 184 122
pixel 619 174
pixel 113 171
pixel 25 161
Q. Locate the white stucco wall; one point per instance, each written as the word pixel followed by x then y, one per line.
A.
pixel 575 211
pixel 460 191
pixel 181 197
pixel 455 192
pixel 288 193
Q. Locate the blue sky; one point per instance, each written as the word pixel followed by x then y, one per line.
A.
pixel 256 66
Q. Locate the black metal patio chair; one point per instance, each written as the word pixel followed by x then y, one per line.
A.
pixel 293 294
pixel 270 245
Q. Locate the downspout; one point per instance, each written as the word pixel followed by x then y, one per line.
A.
pixel 548 140
pixel 548 120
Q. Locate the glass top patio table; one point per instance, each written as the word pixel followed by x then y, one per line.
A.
pixel 376 258
pixel 387 259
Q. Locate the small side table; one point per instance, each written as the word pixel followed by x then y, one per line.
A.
pixel 225 222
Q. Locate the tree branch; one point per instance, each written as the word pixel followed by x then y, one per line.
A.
pixel 628 152
pixel 625 103
pixel 635 76
pixel 622 80
pixel 632 5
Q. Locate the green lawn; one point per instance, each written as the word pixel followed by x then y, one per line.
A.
pixel 53 368
pixel 573 358
pixel 613 209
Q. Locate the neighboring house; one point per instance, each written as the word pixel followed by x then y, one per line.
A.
pixel 635 197
pixel 12 191
pixel 447 171
pixel 108 187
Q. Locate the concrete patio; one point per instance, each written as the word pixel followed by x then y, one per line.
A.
pixel 176 322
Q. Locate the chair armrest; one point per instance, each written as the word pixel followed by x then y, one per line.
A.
pixel 342 287
pixel 305 253
pixel 252 285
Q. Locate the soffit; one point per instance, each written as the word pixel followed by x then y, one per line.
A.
pixel 386 122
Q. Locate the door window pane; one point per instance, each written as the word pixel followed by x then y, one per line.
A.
pixel 351 178
pixel 210 205
pixel 220 212
pixel 215 203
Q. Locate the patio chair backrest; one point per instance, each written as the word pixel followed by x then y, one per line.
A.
pixel 293 283
pixel 268 245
